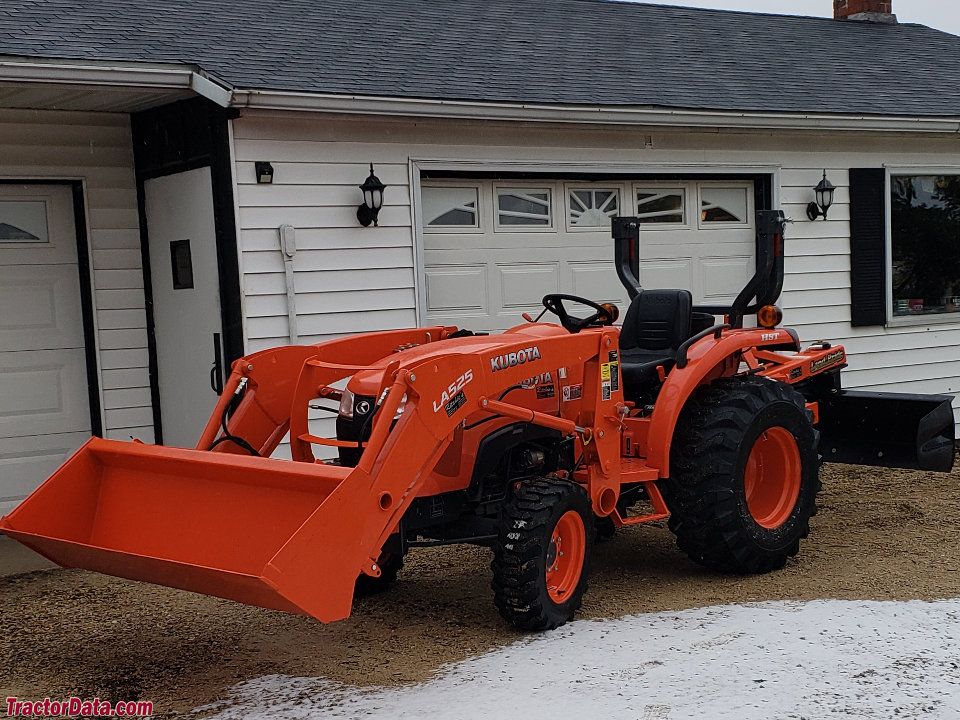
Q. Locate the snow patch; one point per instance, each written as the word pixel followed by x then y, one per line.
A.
pixel 789 660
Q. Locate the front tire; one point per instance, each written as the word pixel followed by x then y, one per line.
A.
pixel 390 567
pixel 542 553
pixel 744 475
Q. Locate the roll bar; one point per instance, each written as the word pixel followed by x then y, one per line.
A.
pixel 765 285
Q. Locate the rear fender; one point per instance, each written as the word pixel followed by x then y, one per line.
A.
pixel 707 359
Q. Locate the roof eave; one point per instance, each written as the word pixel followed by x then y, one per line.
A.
pixel 115 75
pixel 582 114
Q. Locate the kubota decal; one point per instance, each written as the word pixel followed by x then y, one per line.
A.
pixel 454 390
pixel 826 361
pixel 509 360
pixel 541 379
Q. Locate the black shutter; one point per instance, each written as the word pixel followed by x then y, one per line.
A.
pixel 868 246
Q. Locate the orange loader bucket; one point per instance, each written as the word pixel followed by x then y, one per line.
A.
pixel 271 533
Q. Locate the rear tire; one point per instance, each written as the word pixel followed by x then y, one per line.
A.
pixel 542 553
pixel 744 475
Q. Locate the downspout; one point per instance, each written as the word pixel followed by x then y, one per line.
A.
pixel 288 249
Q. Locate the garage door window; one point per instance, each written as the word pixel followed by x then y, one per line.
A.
pixel 723 205
pixel 450 207
pixel 23 221
pixel 591 208
pixel 524 208
pixel 661 206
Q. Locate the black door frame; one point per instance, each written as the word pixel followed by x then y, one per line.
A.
pixel 168 140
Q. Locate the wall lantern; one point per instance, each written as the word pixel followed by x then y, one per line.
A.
pixel 824 194
pixel 264 172
pixel 372 190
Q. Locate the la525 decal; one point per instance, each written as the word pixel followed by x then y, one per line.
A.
pixel 452 389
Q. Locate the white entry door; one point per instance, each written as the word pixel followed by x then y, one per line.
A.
pixel 44 400
pixel 186 299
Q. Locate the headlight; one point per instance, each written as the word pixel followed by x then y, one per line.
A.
pixel 346 404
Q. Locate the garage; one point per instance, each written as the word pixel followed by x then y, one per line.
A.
pixel 45 415
pixel 494 248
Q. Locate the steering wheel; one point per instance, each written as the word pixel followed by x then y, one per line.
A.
pixel 604 315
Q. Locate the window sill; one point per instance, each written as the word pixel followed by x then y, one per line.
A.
pixel 921 320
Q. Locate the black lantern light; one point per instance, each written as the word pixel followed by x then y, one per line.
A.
pixel 372 190
pixel 824 194
pixel 264 171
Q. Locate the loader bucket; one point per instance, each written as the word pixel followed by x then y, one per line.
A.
pixel 271 533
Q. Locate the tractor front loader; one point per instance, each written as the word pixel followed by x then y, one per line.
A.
pixel 529 442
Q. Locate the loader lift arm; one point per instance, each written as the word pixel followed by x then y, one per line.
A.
pixel 294 536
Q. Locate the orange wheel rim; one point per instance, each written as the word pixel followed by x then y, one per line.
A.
pixel 772 478
pixel 565 556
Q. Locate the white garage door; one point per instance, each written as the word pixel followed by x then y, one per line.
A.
pixel 44 406
pixel 493 249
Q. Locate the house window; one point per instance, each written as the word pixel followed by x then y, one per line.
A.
pixel 23 221
pixel 450 207
pixel 590 208
pixel 925 224
pixel 524 207
pixel 661 206
pixel 723 205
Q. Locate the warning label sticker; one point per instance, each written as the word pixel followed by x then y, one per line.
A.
pixel 605 371
pixel 572 392
pixel 614 376
pixel 605 391
pixel 458 401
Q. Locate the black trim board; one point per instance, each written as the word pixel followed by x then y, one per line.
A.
pixel 86 293
pixel 175 138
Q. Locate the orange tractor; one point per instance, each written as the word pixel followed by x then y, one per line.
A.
pixel 530 442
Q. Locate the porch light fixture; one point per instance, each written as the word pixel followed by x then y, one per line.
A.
pixel 824 194
pixel 372 190
pixel 264 172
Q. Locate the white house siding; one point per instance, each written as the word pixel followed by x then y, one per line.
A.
pixel 352 279
pixel 97 149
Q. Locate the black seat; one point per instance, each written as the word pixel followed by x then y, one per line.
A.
pixel 656 325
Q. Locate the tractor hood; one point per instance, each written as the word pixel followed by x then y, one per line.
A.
pixel 368 382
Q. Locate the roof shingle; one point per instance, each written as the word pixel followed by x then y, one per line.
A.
pixel 570 52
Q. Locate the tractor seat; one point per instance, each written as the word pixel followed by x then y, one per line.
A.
pixel 656 325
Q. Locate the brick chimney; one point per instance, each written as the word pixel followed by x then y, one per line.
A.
pixel 869 10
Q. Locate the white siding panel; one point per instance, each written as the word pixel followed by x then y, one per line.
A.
pixel 116 259
pixel 327 302
pixel 347 278
pixel 353 238
pixel 97 148
pixel 334 281
pixel 144 433
pixel 259 217
pixel 290 195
